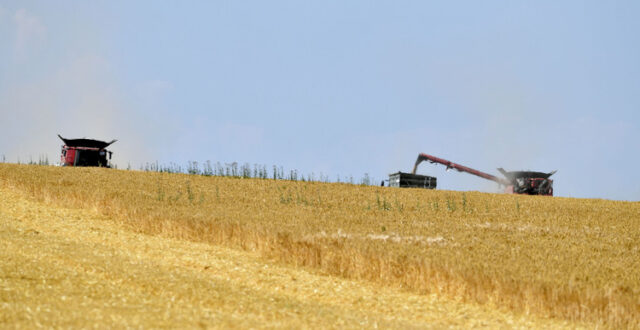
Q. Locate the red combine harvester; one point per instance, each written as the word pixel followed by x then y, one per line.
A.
pixel 85 152
pixel 517 182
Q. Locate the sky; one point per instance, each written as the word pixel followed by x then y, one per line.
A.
pixel 340 88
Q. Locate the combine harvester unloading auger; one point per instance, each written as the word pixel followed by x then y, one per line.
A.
pixel 516 182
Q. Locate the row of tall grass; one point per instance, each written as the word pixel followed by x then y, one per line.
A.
pixel 41 160
pixel 233 169
pixel 255 171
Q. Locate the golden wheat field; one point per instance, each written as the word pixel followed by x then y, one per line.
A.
pixel 553 260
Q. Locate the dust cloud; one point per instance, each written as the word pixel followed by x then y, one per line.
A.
pixel 75 92
pixel 78 100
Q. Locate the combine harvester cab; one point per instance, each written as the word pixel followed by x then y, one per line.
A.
pixel 85 152
pixel 516 182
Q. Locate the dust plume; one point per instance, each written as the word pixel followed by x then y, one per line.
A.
pixel 75 93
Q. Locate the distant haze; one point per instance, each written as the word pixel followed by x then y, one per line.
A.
pixel 342 88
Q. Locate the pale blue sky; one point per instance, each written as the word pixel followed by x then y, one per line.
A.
pixel 338 87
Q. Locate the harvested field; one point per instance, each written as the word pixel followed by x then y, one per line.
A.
pixel 74 268
pixel 568 259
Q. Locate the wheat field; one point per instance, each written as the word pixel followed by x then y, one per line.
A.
pixel 564 259
pixel 74 268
